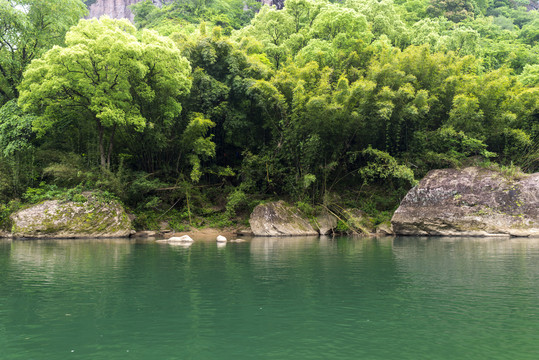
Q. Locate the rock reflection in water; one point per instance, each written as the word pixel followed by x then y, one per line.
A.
pixel 269 247
pixel 53 259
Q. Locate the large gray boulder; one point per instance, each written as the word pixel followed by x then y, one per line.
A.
pixel 279 219
pixel 470 202
pixel 92 218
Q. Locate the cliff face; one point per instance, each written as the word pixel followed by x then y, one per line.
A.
pixel 116 9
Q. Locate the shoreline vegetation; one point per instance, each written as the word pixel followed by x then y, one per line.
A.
pixel 472 201
pixel 199 112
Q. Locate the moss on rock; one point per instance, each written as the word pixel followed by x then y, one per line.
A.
pixel 67 219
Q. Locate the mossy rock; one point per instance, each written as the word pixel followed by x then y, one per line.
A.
pixel 279 219
pixel 94 218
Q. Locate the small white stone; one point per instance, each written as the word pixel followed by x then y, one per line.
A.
pixel 221 238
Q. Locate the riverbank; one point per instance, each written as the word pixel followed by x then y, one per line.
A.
pixel 209 233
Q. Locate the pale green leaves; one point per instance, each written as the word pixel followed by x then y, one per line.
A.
pixel 103 66
pixel 530 75
pixel 196 142
pixel 108 74
pixel 381 165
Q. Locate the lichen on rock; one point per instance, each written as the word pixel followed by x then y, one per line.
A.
pixel 279 219
pixel 470 202
pixel 67 219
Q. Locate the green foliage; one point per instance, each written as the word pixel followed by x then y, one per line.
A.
pixel 29 28
pixel 306 208
pixel 52 192
pixel 454 10
pixel 229 14
pixel 237 201
pixel 530 75
pixel 105 75
pixel 381 165
pixel 15 129
pixel 447 147
pixel 5 212
pixel 517 144
pixel 319 99
pixel 201 147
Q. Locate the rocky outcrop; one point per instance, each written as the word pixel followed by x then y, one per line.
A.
pixel 279 219
pixel 116 9
pixel 470 202
pixel 93 218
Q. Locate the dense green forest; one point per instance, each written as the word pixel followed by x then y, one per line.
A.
pixel 202 109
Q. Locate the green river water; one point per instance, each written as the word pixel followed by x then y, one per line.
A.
pixel 271 298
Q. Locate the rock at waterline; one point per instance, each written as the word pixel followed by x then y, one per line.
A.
pixel 279 219
pixel 384 229
pixel 470 202
pixel 221 239
pixel 326 223
pixel 93 218
pixel 185 239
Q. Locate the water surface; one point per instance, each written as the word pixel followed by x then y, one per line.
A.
pixel 271 298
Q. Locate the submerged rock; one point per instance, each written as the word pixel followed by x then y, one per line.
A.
pixel 92 218
pixel 470 202
pixel 279 219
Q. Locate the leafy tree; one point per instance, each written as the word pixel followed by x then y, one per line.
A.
pixel 384 19
pixel 530 75
pixel 228 14
pixel 530 32
pixel 454 10
pixel 28 29
pixel 16 142
pixel 107 76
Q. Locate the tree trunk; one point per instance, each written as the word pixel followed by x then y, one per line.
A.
pixel 111 145
pixel 102 156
